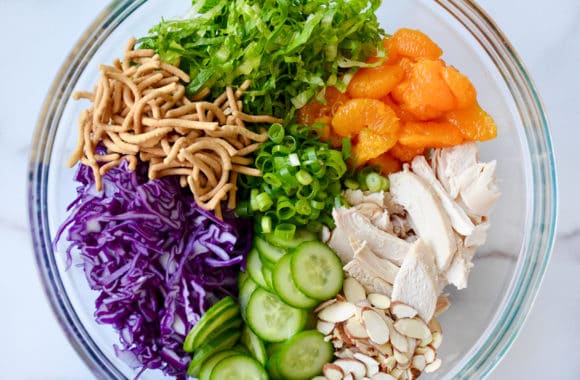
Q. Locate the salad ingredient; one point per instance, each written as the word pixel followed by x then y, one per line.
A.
pixel 271 319
pixel 286 288
pixel 316 270
pixel 254 265
pixel 223 341
pixel 208 366
pixel 255 345
pixel 411 43
pixel 474 123
pixel 238 367
pixel 212 323
pixel 288 50
pixel 300 181
pixel 139 112
pixel 372 341
pixel 299 237
pixel 303 355
pixel 157 261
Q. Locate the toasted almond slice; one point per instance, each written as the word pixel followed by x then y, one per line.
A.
pixel 337 312
pixel 324 305
pixel 434 366
pixel 382 376
pixel 380 301
pixel 425 342
pixel 397 372
pixel 354 328
pixel 413 327
pixel 371 364
pixel 387 363
pixel 437 339
pixel 412 346
pixel 419 362
pixel 342 335
pixel 353 290
pixel 402 310
pixel 429 354
pixel 332 372
pixel 385 349
pixel 364 346
pixel 345 353
pixel 353 366
pixel 434 325
pixel 325 327
pixel 375 325
pixel 401 357
pixel 413 373
pixel 442 305
pixel 348 377
pixel 399 341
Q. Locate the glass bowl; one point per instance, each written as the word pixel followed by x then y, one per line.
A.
pixel 483 320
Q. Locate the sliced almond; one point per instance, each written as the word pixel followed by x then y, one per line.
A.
pixel 412 327
pixel 434 325
pixel 387 363
pixel 352 366
pixel 324 305
pixel 419 362
pixel 337 312
pixel 382 376
pixel 434 366
pixel 425 342
pixel 380 301
pixel 399 341
pixel 412 345
pixel 354 328
pixel 365 346
pixel 375 326
pixel 332 372
pixel 325 327
pixel 437 339
pixel 353 290
pixel 413 373
pixel 402 310
pixel 345 353
pixel 401 357
pixel 429 355
pixel 397 373
pixel 371 364
pixel 385 348
pixel 341 334
pixel 348 377
pixel 442 305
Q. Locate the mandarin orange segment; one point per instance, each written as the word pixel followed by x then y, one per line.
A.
pixel 314 110
pixel 405 153
pixel 371 145
pixel 357 114
pixel 386 163
pixel 460 86
pixel 375 82
pixel 414 44
pixel 429 134
pixel 474 123
pixel 425 94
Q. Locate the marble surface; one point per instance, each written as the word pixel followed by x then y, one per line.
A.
pixel 36 35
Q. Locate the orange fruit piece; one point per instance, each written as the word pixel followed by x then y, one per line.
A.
pixel 370 145
pixel 314 109
pixel 429 134
pixel 425 93
pixel 474 123
pixel 414 44
pixel 460 86
pixel 405 153
pixel 386 163
pixel 357 114
pixel 375 82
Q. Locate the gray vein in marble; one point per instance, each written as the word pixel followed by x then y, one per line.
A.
pixel 569 235
pixel 496 254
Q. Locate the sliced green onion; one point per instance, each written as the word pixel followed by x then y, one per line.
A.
pixel 281 149
pixel 351 184
pixel 373 182
pixel 314 226
pixel 293 159
pixel 276 133
pixel 263 201
pixel 243 209
pixel 272 179
pixel 317 205
pixel 253 201
pixel 285 210
pixel 303 207
pixel 304 177
pixel 285 231
pixel 266 224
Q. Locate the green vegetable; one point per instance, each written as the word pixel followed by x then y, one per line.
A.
pixel 288 49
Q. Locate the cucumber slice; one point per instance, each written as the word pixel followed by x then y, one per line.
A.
pixel 317 270
pixel 273 366
pixel 210 363
pixel 254 266
pixel 286 287
pixel 242 277
pixel 213 320
pixel 268 252
pixel 222 342
pixel 300 236
pixel 232 323
pixel 239 367
pixel 245 293
pixel 254 344
pixel 271 319
pixel 303 356
pixel 267 273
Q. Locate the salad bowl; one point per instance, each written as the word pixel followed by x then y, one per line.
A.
pixel 483 320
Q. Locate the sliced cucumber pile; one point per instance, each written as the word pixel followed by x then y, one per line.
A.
pixel 284 280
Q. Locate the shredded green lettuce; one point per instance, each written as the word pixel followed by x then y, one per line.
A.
pixel 289 49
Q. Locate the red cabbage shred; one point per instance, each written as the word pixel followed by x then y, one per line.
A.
pixel 157 260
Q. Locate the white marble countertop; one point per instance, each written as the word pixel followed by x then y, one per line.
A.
pixel 36 36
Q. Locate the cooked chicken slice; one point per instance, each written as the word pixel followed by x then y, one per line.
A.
pixel 379 216
pixel 339 239
pixel 448 163
pixel 478 237
pixel 370 270
pixel 416 283
pixel 458 272
pixel 384 268
pixel 429 220
pixel 477 188
pixel 355 197
pixel 459 219
pixel 352 223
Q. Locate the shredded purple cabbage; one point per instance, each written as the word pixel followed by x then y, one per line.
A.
pixel 158 261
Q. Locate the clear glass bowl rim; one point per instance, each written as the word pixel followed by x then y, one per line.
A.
pixel 540 239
